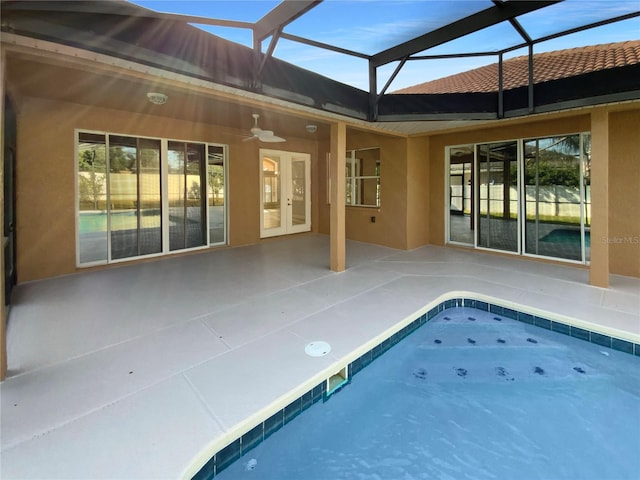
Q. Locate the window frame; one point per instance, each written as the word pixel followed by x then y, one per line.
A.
pixel 164 200
pixel 225 195
pixel 585 202
pixel 351 179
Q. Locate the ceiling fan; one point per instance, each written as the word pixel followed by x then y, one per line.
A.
pixel 262 135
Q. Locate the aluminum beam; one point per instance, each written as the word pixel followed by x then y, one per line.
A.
pixel 285 13
pixel 473 23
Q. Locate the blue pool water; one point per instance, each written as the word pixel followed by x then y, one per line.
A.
pixel 470 395
pixel 97 221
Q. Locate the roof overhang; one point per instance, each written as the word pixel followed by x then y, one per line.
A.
pixel 590 89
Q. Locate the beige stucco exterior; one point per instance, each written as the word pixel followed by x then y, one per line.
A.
pixel 46 176
pixel 390 224
pixel 622 240
pixel 624 193
pixel 412 210
pixel 412 180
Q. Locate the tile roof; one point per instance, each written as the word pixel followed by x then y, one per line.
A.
pixel 546 66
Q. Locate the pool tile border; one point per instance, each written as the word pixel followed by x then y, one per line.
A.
pixel 261 432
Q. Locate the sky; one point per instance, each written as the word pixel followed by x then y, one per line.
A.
pixel 371 26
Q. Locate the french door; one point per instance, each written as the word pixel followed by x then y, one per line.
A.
pixel 285 193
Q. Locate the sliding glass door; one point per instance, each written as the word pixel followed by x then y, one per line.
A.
pixel 555 198
pixel 186 202
pixel 145 196
pixel 497 196
pixel 529 197
pixel 92 200
pixel 134 196
pixel 461 202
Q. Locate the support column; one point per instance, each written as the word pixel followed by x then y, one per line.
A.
pixel 599 271
pixel 337 196
pixel 3 317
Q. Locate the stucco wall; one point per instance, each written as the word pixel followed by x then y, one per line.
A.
pixel 624 177
pixel 418 204
pixel 46 168
pixel 624 193
pixel 402 219
pixel 412 180
pixel 390 224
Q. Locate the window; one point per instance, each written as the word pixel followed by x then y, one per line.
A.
pixel 529 197
pixel 363 177
pixel 147 196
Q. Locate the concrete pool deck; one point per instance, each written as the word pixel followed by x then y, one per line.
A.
pixel 142 371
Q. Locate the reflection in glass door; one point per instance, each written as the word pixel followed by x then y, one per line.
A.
pixel 585 148
pixel 461 224
pixel 150 198
pixel 285 180
pixel 134 196
pixel 123 195
pixel 554 197
pixel 216 194
pixel 271 202
pixel 146 196
pixel 497 196
pixel 186 203
pixel 530 197
pixel 299 192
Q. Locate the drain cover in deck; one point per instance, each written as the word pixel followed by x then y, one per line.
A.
pixel 317 348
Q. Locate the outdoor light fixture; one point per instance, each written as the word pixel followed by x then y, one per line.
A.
pixel 311 128
pixel 157 98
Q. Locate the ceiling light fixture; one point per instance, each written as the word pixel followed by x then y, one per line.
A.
pixel 157 98
pixel 312 128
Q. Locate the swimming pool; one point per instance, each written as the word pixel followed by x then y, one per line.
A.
pixel 471 394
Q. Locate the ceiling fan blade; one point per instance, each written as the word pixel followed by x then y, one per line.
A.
pixel 248 139
pixel 262 135
pixel 271 138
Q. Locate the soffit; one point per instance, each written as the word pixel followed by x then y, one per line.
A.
pixel 41 74
pixel 48 78
pixel 112 90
